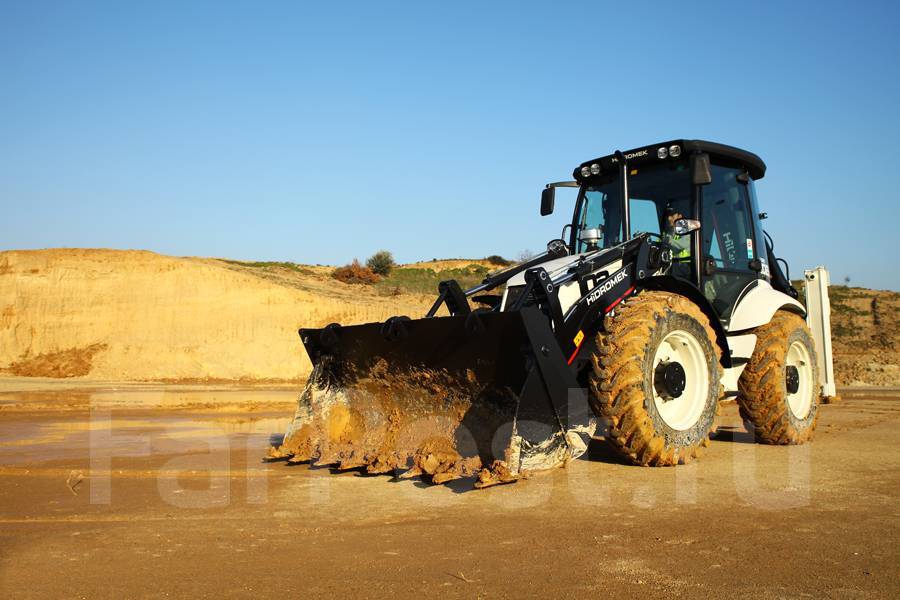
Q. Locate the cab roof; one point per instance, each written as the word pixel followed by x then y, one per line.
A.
pixel 719 153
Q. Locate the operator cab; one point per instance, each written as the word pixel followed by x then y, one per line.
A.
pixel 695 197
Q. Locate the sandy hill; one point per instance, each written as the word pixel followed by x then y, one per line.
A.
pixel 112 314
pixel 865 330
pixel 136 315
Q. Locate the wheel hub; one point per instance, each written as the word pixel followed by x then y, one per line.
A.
pixel 792 379
pixel 680 380
pixel 799 379
pixel 670 380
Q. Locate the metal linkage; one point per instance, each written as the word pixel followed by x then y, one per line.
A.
pixel 450 293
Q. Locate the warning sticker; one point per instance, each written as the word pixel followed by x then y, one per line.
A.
pixel 578 337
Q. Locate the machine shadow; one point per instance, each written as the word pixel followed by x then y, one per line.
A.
pixel 730 433
pixel 599 450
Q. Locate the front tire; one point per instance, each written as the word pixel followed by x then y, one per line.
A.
pixel 655 379
pixel 779 388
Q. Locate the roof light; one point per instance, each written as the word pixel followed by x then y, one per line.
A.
pixel 662 152
pixel 595 169
pixel 585 171
pixel 675 151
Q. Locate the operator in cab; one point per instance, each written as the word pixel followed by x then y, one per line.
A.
pixel 680 244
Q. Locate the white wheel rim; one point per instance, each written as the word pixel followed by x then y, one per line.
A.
pixel 800 402
pixel 683 412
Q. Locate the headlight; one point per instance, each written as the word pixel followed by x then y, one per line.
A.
pixel 585 171
pixel 675 151
pixel 595 169
pixel 662 152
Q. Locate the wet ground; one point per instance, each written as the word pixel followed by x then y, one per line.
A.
pixel 160 492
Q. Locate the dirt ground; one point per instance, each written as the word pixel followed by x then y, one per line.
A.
pixel 161 492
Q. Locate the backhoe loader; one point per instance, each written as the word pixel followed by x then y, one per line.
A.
pixel 662 298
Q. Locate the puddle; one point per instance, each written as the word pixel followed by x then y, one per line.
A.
pixel 50 439
pixel 158 397
pixel 77 425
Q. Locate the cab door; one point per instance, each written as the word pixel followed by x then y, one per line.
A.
pixel 727 240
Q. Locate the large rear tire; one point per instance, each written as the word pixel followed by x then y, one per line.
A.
pixel 779 388
pixel 656 413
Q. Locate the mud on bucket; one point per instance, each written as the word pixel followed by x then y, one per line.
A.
pixel 479 396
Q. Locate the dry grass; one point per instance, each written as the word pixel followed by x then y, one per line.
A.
pixel 450 263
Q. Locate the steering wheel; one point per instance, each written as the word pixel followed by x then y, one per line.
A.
pixel 673 249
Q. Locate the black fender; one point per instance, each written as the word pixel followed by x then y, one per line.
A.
pixel 667 283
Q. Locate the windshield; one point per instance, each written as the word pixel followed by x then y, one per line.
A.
pixel 653 191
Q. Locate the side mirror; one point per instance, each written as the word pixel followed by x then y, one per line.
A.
pixel 701 171
pixel 548 199
pixel 685 226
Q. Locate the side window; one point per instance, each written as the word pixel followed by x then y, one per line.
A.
pixel 727 234
pixel 593 214
pixel 601 211
pixel 644 216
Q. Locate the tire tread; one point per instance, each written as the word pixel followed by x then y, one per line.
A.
pixel 762 398
pixel 616 381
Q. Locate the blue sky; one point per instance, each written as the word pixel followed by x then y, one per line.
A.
pixel 318 132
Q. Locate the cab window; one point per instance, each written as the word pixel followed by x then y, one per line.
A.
pixel 728 236
pixel 644 216
pixel 727 240
pixel 600 210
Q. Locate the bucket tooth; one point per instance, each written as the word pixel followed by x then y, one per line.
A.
pixel 353 463
pixel 353 459
pixel 450 468
pixel 413 471
pixel 275 454
pixel 327 460
pixel 428 463
pixel 379 469
pixel 498 473
pixel 383 465
pixel 296 456
pixel 445 476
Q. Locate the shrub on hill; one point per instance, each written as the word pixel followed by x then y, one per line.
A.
pixel 355 273
pixel 381 263
pixel 495 259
